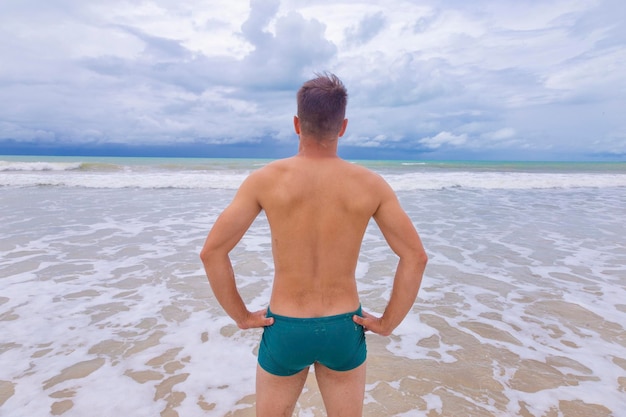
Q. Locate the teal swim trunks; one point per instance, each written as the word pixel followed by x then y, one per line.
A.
pixel 292 344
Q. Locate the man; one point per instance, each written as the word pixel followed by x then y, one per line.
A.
pixel 318 207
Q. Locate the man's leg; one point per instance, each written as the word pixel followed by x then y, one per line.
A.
pixel 342 392
pixel 276 396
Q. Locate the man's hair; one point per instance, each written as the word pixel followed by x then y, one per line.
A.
pixel 322 106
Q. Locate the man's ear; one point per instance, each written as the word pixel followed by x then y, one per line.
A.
pixel 344 126
pixel 296 124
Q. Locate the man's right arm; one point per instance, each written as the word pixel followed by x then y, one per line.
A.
pixel 400 234
pixel 225 234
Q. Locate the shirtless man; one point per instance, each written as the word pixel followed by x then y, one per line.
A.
pixel 318 207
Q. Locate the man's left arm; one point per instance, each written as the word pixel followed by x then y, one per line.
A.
pixel 227 231
pixel 400 234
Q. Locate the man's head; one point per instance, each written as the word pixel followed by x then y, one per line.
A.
pixel 322 106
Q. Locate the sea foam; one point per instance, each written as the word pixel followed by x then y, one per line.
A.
pixel 104 303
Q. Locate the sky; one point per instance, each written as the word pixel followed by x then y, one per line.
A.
pixel 427 80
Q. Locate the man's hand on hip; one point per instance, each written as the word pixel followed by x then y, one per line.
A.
pixel 256 319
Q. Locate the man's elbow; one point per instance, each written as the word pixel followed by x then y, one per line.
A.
pixel 420 259
pixel 415 254
pixel 204 254
pixel 415 260
pixel 212 255
pixel 207 254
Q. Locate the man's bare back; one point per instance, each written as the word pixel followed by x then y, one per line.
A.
pixel 318 210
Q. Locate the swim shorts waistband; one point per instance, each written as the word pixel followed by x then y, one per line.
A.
pixel 322 319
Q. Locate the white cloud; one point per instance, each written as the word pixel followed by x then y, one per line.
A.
pixel 444 138
pixel 501 134
pixel 592 74
pixel 425 75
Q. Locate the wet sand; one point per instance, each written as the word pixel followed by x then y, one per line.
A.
pixel 107 312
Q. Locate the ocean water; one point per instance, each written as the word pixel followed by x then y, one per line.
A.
pixel 105 309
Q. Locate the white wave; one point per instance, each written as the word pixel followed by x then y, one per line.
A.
pixel 38 166
pixel 114 175
pixel 115 180
pixel 502 180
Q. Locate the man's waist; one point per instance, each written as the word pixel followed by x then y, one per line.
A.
pixel 324 318
pixel 308 309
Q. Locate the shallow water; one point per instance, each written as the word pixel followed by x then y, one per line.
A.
pixel 105 309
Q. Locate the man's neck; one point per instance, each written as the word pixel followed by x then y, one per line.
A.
pixel 317 148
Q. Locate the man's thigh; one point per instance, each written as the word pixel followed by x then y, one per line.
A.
pixel 342 391
pixel 276 396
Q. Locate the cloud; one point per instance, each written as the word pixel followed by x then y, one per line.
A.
pixel 366 29
pixel 261 13
pixel 281 60
pixel 165 91
pixel 444 139
pixel 423 78
pixel 501 134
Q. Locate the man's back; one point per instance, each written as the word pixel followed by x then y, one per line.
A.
pixel 318 210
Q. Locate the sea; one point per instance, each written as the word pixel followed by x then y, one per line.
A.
pixel 105 309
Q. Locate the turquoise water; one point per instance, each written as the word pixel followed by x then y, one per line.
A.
pixel 198 163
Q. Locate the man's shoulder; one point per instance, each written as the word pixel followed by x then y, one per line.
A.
pixel 365 173
pixel 267 173
pixel 273 167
